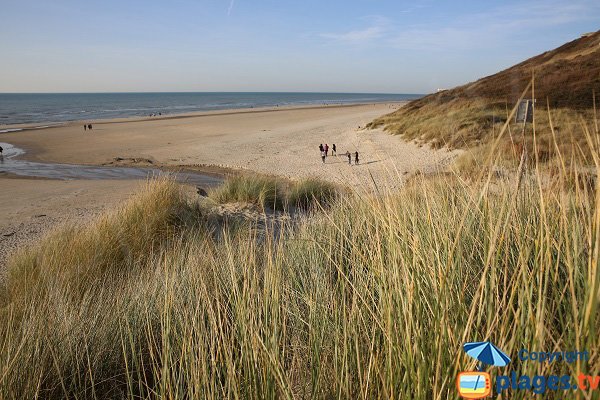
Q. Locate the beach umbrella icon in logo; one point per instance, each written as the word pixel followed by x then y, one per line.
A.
pixel 486 353
pixel 476 385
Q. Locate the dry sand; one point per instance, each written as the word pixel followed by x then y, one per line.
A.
pixel 272 141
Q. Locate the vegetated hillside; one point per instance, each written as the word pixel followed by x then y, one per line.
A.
pixel 565 78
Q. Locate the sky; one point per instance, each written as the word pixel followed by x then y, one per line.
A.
pixel 367 46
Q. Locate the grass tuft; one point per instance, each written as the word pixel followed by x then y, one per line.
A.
pixel 83 257
pixel 266 192
pixel 311 194
pixel 276 193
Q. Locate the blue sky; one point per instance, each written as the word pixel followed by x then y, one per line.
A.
pixel 266 45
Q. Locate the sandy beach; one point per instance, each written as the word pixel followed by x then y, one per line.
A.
pixel 272 141
pixel 282 142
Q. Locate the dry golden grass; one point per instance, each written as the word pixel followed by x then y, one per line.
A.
pixel 102 249
pixel 371 299
pixel 455 124
pixel 276 193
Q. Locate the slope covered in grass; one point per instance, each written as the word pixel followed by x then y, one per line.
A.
pixel 372 299
pixel 566 79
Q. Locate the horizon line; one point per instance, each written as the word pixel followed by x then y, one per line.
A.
pixel 209 92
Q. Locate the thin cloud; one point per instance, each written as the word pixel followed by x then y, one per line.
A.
pixel 378 29
pixel 230 8
pixel 364 35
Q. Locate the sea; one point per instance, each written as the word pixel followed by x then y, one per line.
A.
pixel 52 108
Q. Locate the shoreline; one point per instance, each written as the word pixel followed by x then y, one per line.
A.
pixel 22 127
pixel 35 148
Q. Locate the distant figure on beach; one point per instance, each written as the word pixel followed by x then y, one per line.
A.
pixel 333 150
pixel 1 150
pixel 323 156
pixel 326 149
pixel 90 127
pixel 321 148
pixel 349 157
pixel 356 157
pixel 84 127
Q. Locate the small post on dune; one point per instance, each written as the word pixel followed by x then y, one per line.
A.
pixel 524 114
pixel 524 152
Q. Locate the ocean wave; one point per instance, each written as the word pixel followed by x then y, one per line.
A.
pixel 73 107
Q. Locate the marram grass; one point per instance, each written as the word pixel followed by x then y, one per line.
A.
pixel 276 194
pixel 372 299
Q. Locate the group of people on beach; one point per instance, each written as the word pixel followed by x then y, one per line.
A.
pixel 324 149
pixel 88 127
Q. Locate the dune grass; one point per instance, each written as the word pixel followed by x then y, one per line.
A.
pixel 276 193
pixel 311 193
pixel 469 124
pixel 372 299
pixel 125 237
pixel 261 190
pixel 565 79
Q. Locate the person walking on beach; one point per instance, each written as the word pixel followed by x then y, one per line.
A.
pixel 90 127
pixel 84 127
pixel 333 150
pixel 1 150
pixel 326 149
pixel 349 157
pixel 356 158
pixel 323 156
pixel 321 148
